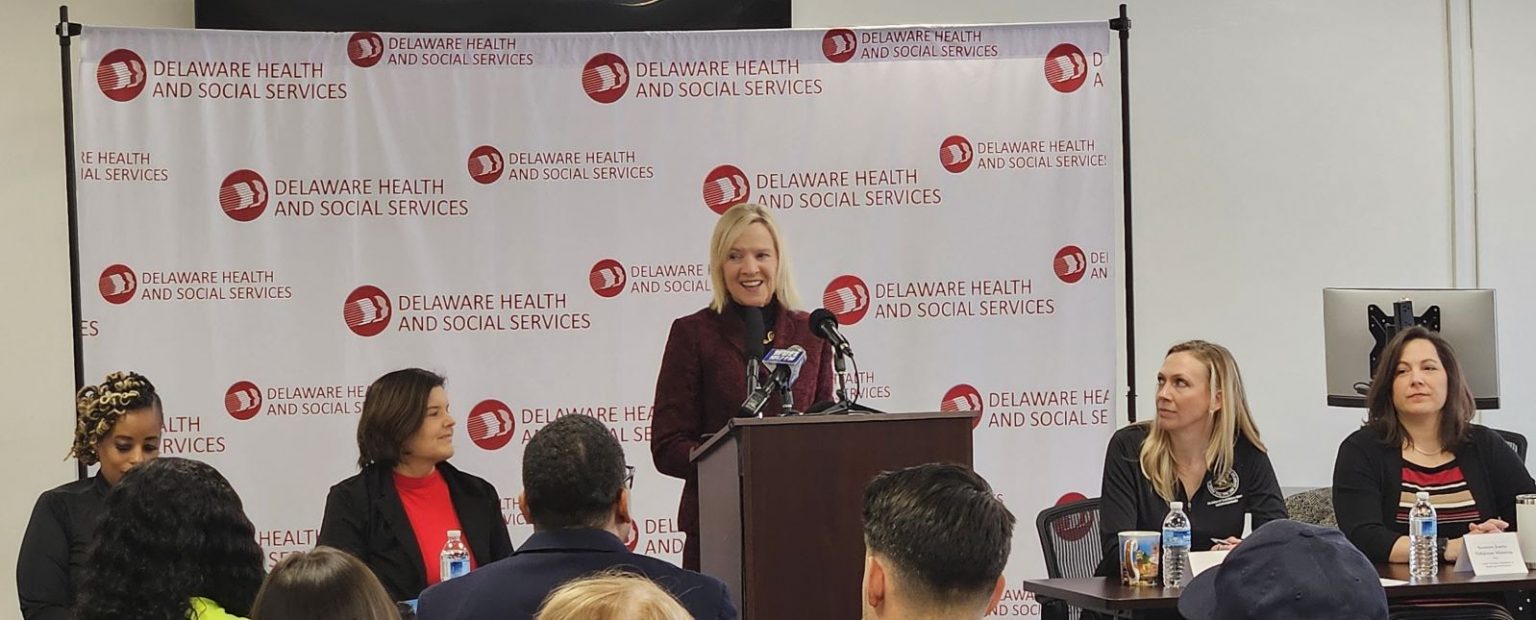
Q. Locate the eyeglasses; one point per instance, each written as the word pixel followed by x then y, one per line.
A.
pixel 629 476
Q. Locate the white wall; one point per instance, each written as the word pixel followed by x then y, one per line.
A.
pixel 36 366
pixel 1279 147
pixel 1504 57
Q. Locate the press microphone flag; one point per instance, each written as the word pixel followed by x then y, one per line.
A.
pixel 785 361
pixel 785 368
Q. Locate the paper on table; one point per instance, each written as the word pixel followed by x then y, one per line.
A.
pixel 1392 582
pixel 1199 561
pixel 1491 554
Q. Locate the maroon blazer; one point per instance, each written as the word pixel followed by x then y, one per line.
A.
pixel 702 382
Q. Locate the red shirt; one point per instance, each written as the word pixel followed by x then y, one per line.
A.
pixel 430 510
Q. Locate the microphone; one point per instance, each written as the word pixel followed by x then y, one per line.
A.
pixel 824 324
pixel 752 342
pixel 785 369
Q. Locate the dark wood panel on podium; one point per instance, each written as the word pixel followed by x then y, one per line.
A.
pixel 780 501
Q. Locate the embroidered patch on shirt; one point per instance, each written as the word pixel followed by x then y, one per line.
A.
pixel 1224 488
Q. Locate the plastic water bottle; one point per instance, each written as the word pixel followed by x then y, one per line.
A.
pixel 1423 528
pixel 1176 542
pixel 455 558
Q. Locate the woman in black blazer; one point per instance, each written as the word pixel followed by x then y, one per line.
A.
pixel 1419 436
pixel 396 513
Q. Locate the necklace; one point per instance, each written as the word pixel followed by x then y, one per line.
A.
pixel 1415 448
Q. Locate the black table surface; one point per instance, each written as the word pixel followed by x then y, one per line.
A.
pixel 1105 594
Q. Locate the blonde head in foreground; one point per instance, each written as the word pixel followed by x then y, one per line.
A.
pixel 611 595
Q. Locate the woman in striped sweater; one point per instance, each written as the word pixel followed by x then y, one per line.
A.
pixel 1419 436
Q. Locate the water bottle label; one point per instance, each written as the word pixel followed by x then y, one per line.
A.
pixel 1425 527
pixel 457 568
pixel 1176 538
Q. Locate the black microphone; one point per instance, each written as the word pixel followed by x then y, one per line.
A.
pixel 824 324
pixel 752 343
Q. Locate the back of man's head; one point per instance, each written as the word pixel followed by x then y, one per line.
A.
pixel 941 536
pixel 573 472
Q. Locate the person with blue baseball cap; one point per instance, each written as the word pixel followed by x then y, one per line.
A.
pixel 1288 569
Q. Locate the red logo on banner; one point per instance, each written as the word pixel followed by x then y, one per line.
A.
pixel 243 400
pixel 725 187
pixel 955 154
pixel 1066 68
pixel 1070 264
pixel 847 297
pixel 839 45
pixel 367 311
pixel 605 78
pixel 634 535
pixel 491 425
pixel 607 278
pixel 365 49
pixel 243 195
pixel 1073 527
pixel 963 397
pixel 486 164
pixel 118 284
pixel 121 75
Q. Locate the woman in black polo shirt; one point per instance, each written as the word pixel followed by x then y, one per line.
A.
pixel 1202 449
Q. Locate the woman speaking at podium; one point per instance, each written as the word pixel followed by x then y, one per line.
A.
pixel 703 378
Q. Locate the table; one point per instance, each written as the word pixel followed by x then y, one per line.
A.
pixel 1109 596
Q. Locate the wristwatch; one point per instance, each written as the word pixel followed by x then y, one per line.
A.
pixel 1440 543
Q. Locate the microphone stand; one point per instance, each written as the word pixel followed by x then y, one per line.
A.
pixel 841 366
pixel 844 404
pixel 753 366
pixel 787 394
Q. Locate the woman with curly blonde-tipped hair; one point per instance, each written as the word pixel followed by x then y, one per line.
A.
pixel 611 595
pixel 117 425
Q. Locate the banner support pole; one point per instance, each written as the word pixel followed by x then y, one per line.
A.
pixel 66 31
pixel 1122 25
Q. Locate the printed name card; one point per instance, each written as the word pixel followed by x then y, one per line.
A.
pixel 1491 554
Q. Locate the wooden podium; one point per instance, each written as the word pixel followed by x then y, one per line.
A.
pixel 780 501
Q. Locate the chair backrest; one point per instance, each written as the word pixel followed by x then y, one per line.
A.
pixel 1515 440
pixel 1314 506
pixel 1069 537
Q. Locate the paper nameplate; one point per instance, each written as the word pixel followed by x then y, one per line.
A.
pixel 1491 554
pixel 1199 561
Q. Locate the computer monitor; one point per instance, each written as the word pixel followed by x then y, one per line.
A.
pixel 1358 322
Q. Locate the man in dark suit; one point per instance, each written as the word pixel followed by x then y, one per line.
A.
pixel 575 492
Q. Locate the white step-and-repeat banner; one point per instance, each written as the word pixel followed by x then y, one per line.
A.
pixel 269 221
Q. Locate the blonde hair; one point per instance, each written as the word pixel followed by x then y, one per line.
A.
pixel 728 229
pixel 611 595
pixel 1226 387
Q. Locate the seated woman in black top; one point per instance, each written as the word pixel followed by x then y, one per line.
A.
pixel 1202 449
pixel 117 424
pixel 396 513
pixel 1419 436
